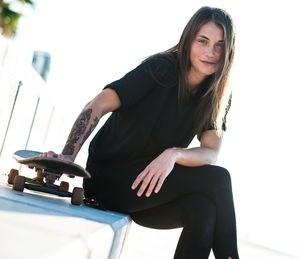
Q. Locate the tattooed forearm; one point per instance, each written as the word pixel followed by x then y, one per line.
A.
pixel 92 127
pixel 79 128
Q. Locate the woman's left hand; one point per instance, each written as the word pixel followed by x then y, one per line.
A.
pixel 155 173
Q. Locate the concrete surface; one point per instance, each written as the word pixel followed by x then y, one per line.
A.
pixel 47 226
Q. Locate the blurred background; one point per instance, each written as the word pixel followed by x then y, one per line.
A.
pixel 91 43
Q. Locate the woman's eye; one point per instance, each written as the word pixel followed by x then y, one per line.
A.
pixel 202 41
pixel 220 46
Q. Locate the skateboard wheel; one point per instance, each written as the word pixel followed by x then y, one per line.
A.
pixel 19 183
pixel 64 186
pixel 77 196
pixel 12 175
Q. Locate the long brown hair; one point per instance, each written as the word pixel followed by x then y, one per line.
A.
pixel 212 108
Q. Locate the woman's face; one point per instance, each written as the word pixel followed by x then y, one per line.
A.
pixel 206 50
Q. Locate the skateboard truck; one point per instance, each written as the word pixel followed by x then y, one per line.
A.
pixel 20 182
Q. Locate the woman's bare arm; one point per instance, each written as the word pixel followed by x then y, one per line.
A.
pixel 207 153
pixel 105 102
pixel 154 175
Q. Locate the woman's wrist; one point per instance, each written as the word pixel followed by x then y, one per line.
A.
pixel 175 153
pixel 68 157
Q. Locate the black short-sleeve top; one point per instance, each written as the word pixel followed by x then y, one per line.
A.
pixel 150 118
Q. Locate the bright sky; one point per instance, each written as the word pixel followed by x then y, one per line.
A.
pixel 95 42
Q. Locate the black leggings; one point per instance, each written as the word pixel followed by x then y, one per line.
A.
pixel 199 199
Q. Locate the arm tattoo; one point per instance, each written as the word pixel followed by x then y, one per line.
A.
pixel 92 127
pixel 78 130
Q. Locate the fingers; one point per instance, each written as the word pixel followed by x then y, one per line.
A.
pixel 145 183
pixel 150 178
pixel 49 154
pixel 139 178
pixel 159 184
pixel 152 185
pixel 46 154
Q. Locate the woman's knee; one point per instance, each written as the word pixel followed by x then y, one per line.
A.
pixel 220 176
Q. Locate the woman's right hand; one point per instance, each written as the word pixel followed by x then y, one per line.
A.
pixel 55 155
pixel 59 156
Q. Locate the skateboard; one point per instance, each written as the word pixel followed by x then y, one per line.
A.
pixel 48 170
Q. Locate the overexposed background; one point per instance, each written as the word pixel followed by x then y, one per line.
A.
pixel 95 42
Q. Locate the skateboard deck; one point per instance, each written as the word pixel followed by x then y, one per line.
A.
pixel 48 169
pixel 50 164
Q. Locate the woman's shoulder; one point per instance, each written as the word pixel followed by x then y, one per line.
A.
pixel 162 66
pixel 162 59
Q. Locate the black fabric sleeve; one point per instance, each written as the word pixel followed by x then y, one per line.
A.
pixel 140 81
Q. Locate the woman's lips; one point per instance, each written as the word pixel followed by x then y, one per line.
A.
pixel 208 62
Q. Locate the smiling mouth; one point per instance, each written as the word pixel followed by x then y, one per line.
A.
pixel 208 62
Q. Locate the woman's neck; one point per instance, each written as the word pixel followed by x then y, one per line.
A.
pixel 194 80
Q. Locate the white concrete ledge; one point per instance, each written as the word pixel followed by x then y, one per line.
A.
pixel 25 235
pixel 46 226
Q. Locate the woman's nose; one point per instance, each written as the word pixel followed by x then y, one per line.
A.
pixel 210 51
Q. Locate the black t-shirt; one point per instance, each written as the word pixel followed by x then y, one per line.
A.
pixel 150 118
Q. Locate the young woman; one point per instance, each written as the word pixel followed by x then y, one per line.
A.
pixel 139 159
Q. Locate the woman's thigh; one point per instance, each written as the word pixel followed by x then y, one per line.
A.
pixel 189 210
pixel 116 194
